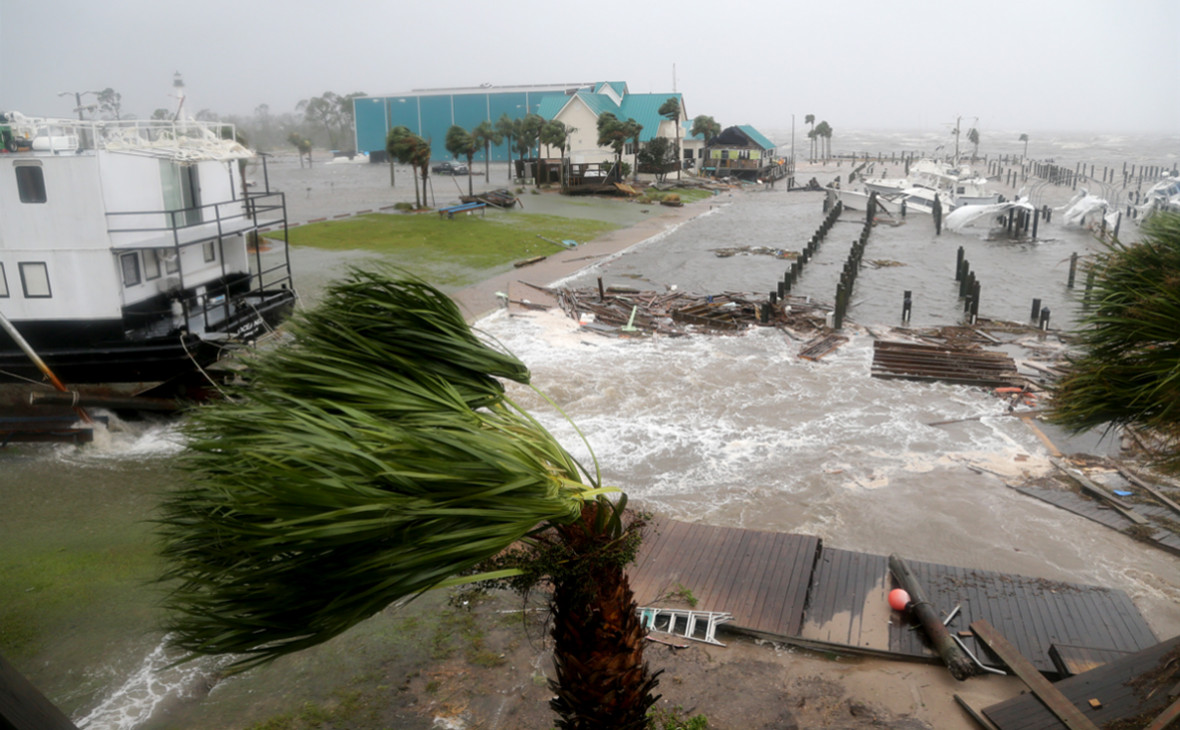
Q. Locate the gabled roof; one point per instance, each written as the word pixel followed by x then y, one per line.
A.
pixel 643 108
pixel 741 135
pixel 619 87
pixel 757 137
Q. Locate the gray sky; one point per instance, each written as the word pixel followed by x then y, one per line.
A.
pixel 1028 65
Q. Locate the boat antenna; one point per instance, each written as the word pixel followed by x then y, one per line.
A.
pixel 178 85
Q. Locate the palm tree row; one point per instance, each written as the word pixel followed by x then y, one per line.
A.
pixel 374 457
pixel 819 134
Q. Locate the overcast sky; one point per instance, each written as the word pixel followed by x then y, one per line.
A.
pixel 1027 65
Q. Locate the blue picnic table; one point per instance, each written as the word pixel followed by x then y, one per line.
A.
pixel 465 207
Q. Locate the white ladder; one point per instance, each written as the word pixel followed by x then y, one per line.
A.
pixel 668 619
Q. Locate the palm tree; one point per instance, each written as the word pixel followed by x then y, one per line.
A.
pixel 410 149
pixel 823 132
pixel 377 456
pixel 706 127
pixel 506 127
pixel 614 134
pixel 1024 138
pixel 528 134
pixel 633 129
pixel 460 143
pixel 973 138
pixel 554 133
pixel 1127 373
pixel 485 135
pixel 810 119
pixel 670 110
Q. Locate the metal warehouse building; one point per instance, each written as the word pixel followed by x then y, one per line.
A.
pixel 430 112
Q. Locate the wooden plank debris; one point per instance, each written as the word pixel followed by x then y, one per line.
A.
pixel 820 346
pixel 1132 690
pixel 910 361
pixel 1044 690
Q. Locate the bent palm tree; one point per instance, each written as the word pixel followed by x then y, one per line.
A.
pixel 485 135
pixel 460 142
pixel 376 457
pixel 1129 371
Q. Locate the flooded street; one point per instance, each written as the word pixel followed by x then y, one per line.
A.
pixel 726 430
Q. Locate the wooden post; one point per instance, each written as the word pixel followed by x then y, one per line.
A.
pixel 1073 269
pixel 601 293
pixel 959 264
pixel 1036 310
pixel 955 658
pixel 907 305
pixel 23 707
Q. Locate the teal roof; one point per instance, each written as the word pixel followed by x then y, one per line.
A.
pixel 619 87
pixel 551 104
pixel 756 137
pixel 643 108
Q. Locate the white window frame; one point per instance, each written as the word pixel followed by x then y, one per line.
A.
pixel 27 268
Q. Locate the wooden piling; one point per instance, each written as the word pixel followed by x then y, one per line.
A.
pixel 956 659
pixel 1073 269
pixel 1036 310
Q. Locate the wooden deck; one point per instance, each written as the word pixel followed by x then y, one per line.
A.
pixel 1122 687
pixel 793 589
pixel 1092 509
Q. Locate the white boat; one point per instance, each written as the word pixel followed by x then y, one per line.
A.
pixel 124 255
pixel 1163 196
pixel 954 185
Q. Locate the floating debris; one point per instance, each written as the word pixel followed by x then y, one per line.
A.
pixel 883 263
pixel 778 253
pixel 624 311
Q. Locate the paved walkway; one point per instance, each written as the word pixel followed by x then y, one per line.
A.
pixel 480 299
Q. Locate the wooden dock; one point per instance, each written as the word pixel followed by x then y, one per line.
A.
pixel 792 588
pixel 909 361
pixel 1154 533
pixel 1136 686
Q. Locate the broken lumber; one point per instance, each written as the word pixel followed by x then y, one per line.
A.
pixel 1057 703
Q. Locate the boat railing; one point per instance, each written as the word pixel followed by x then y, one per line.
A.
pixel 172 138
pixel 215 305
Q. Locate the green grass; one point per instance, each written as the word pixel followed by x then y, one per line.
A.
pixel 449 252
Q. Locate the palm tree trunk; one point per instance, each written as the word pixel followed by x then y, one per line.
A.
pixel 602 680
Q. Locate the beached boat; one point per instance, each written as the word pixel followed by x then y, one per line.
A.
pixel 129 251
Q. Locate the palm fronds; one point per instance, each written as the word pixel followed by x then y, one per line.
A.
pixel 1129 370
pixel 370 460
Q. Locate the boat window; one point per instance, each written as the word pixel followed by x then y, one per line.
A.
pixel 30 183
pixel 171 261
pixel 3 283
pixel 130 265
pixel 210 252
pixel 151 264
pixel 34 278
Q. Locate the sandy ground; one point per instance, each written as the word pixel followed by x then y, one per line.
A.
pixel 747 684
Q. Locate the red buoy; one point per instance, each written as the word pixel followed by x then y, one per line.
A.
pixel 898 599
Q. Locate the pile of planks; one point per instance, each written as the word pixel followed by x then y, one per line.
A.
pixel 626 311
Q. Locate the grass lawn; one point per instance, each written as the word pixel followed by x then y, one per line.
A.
pixel 449 252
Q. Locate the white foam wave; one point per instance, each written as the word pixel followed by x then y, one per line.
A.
pixel 150 685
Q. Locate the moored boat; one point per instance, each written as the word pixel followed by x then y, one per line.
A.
pixel 125 256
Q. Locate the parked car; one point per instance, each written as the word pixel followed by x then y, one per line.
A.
pixel 454 167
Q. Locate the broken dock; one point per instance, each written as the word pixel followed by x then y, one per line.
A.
pixel 796 590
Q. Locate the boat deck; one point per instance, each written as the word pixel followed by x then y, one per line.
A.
pixel 792 588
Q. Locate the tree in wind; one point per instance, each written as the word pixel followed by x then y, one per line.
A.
pixel 1128 372
pixel 670 110
pixel 376 456
pixel 460 143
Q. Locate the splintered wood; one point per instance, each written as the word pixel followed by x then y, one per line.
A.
pixel 623 311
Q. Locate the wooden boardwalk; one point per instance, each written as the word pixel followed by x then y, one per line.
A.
pixel 1095 510
pixel 793 589
pixel 1133 685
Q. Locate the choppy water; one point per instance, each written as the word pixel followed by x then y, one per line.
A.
pixel 732 430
